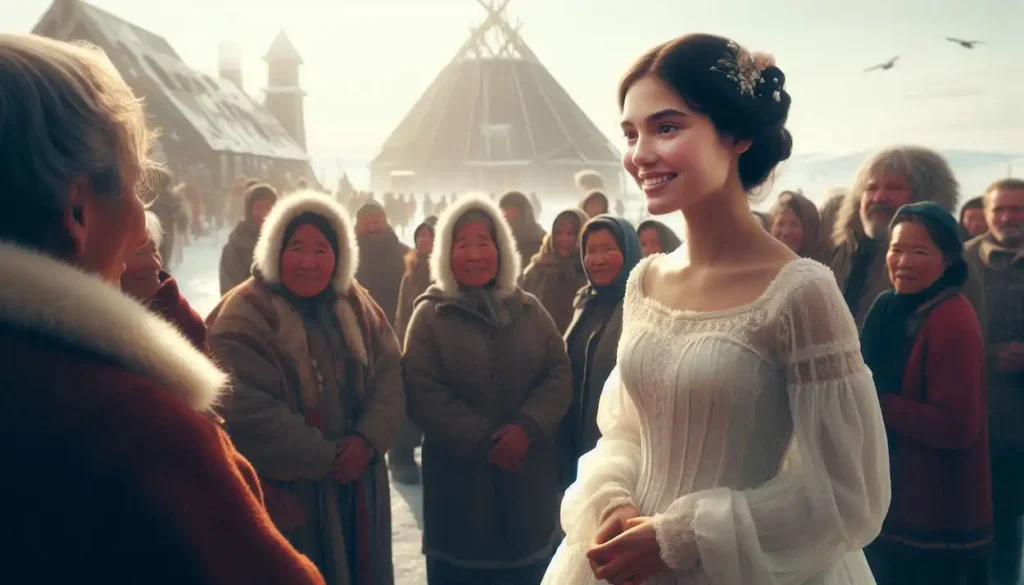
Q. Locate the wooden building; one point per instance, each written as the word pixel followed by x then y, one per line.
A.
pixel 211 131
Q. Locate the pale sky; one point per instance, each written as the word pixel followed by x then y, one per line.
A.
pixel 367 61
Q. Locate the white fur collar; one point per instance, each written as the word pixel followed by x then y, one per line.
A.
pixel 267 254
pixel 44 295
pixel 508 252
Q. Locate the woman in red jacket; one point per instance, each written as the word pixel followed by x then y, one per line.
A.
pixel 114 470
pixel 923 344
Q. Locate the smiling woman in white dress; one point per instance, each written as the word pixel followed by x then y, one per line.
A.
pixel 743 442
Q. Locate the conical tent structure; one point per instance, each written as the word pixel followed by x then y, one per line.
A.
pixel 494 119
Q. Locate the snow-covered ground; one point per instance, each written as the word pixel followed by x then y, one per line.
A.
pixel 197 275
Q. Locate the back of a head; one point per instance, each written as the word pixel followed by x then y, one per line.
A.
pixel 66 116
pixel 518 200
pixel 742 93
pixel 588 180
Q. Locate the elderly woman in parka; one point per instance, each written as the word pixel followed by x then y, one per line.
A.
pixel 488 381
pixel 555 274
pixel 318 394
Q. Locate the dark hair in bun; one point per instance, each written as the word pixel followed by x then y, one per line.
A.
pixel 713 75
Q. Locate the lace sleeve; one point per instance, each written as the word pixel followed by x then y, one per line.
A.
pixel 607 475
pixel 833 491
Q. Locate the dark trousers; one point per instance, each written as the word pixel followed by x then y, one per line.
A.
pixel 442 573
pixel 409 437
pixel 1007 549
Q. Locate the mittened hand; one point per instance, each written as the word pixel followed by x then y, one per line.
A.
pixel 354 455
pixel 510 446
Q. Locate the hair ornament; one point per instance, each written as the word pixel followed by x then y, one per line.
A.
pixel 746 69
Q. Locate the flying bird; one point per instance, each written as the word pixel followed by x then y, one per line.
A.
pixel 884 66
pixel 965 44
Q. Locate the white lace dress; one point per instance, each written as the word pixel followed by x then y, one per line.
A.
pixel 755 432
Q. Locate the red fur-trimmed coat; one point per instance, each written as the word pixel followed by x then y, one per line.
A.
pixel 114 470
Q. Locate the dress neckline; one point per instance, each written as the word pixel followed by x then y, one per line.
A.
pixel 765 296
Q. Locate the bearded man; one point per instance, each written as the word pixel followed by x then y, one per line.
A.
pixel 998 257
pixel 888 180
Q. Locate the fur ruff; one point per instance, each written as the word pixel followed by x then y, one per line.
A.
pixel 267 254
pixel 44 295
pixel 508 252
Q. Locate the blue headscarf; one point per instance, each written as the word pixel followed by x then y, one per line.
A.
pixel 629 244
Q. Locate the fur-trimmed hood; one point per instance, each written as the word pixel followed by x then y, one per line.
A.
pixel 508 252
pixel 47 296
pixel 267 255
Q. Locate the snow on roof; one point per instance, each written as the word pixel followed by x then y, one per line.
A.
pixel 225 116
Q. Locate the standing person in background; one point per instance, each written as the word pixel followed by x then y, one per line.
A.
pixel 588 180
pixel 922 342
pixel 115 399
pixel 401 458
pixel 172 212
pixel 997 257
pixel 885 182
pixel 610 251
pixel 972 218
pixel 795 222
pixel 555 274
pixel 526 231
pixel 318 397
pixel 488 381
pixel 236 256
pixel 595 203
pixel 145 279
pixel 381 257
pixel 657 238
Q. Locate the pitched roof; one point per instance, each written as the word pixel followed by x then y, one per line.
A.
pixel 495 103
pixel 226 117
pixel 282 50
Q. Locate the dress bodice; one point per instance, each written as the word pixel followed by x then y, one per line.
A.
pixel 709 390
pixel 752 436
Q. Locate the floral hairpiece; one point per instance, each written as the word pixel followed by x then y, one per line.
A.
pixel 746 69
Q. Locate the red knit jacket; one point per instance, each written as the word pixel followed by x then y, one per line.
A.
pixel 941 488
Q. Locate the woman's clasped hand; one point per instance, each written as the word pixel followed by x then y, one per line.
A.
pixel 625 550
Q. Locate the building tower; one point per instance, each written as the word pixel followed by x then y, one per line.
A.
pixel 284 97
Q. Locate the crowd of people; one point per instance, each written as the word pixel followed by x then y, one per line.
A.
pixel 822 396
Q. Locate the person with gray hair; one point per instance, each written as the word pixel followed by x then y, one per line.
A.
pixel 889 179
pixel 117 469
